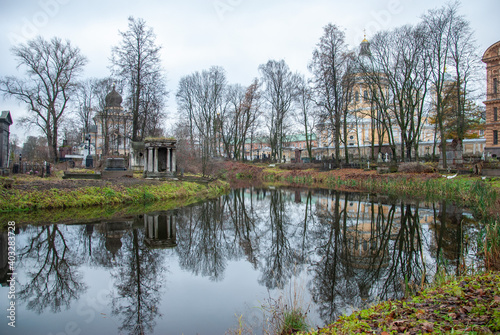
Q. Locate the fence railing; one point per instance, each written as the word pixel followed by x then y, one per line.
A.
pixel 31 168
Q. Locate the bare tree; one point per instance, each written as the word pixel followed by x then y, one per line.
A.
pixel 100 88
pixel 330 66
pixel 200 100
pixel 466 65
pixel 51 70
pixel 229 121
pixel 280 90
pixel 306 115
pixel 241 111
pixel 152 108
pixel 439 24
pixel 251 113
pixel 86 102
pixel 35 149
pixel 381 122
pixel 136 61
pixel 401 56
pixel 451 45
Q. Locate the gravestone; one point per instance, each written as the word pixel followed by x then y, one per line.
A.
pixel 454 155
pixel 115 168
pixel 115 164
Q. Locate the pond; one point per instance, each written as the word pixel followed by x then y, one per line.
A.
pixel 196 270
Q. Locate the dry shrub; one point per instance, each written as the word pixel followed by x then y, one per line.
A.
pixel 415 167
pixel 492 247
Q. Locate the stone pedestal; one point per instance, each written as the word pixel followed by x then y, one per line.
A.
pixel 115 168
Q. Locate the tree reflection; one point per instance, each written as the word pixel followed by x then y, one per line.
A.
pixel 138 276
pixel 243 220
pixel 202 245
pixel 360 248
pixel 4 258
pixel 51 268
pixel 280 259
pixel 331 291
pixel 406 265
pixel 449 228
pixel 366 250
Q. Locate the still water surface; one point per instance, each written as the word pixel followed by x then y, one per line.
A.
pixel 194 270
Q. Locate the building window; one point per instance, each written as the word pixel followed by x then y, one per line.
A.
pixel 356 95
pixel 495 85
pixel 495 114
pixel 495 137
pixel 365 95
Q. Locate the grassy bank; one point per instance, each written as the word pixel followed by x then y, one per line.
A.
pixel 92 214
pixel 463 305
pixel 467 191
pixel 15 200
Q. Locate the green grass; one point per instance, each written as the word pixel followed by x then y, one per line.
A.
pixel 21 200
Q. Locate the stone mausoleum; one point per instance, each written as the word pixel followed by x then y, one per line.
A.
pixel 159 158
pixel 5 123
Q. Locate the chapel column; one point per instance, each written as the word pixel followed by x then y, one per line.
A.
pixel 156 160
pixel 150 160
pixel 168 160
pixel 174 162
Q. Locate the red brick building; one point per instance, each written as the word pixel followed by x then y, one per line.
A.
pixel 492 59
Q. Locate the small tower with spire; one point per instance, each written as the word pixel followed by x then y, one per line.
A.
pixel 365 47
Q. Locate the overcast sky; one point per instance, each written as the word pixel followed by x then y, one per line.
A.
pixel 238 35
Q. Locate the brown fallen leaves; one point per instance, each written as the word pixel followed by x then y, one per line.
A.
pixel 468 305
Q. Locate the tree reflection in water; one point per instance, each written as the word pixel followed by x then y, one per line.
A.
pixel 138 277
pixel 51 268
pixel 353 249
pixel 368 251
pixel 203 243
pixel 280 257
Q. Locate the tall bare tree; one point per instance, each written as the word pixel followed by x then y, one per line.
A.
pixel 400 55
pixel 381 122
pixel 439 23
pixel 229 120
pixel 330 68
pixel 136 61
pixel 466 65
pixel 238 118
pixel 280 91
pixel 306 115
pixel 200 99
pixel 51 68
pixel 454 62
pixel 90 96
